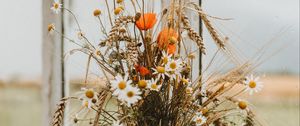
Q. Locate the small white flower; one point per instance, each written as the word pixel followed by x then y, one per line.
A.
pixel 153 86
pixel 87 93
pixel 165 57
pixel 56 6
pixel 120 84
pixel 253 84
pixel 174 68
pixel 160 71
pixel 130 96
pixel 88 97
pixel 117 123
pixel 199 119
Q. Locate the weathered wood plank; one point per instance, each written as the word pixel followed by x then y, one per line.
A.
pixel 52 62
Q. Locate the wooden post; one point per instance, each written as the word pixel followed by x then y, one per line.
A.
pixel 52 67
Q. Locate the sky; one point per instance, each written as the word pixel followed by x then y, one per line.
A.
pixel 255 22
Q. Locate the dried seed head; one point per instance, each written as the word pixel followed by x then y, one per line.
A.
pixel 142 84
pixel 97 12
pixel 94 100
pixel 120 1
pixel 173 40
pixel 118 10
pixel 242 105
pixel 51 27
pixel 137 16
pixel 191 56
pixel 165 11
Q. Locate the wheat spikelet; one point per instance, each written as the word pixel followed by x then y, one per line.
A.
pixel 216 37
pixel 192 33
pixel 101 100
pixel 113 34
pixel 59 113
pixel 132 53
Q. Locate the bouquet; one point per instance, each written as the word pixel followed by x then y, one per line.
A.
pixel 148 71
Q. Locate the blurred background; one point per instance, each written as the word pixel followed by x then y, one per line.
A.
pixel 255 22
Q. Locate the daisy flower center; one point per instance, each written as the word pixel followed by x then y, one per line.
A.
pixel 122 85
pixel 56 5
pixel 160 69
pixel 173 65
pixel 252 84
pixel 142 83
pixel 242 105
pixel 89 94
pixel 130 94
pixel 154 86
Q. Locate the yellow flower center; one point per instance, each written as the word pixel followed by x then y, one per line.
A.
pixel 252 84
pixel 242 105
pixel 142 83
pixel 165 60
pixel 56 5
pixel 154 86
pixel 160 69
pixel 173 65
pixel 122 85
pixel 130 94
pixel 89 94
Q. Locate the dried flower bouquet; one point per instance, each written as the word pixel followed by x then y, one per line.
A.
pixel 149 74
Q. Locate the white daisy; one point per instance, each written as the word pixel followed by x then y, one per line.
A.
pixel 56 6
pixel 174 65
pixel 165 57
pixel 117 123
pixel 153 86
pixel 160 71
pixel 87 94
pixel 253 84
pixel 199 119
pixel 130 96
pixel 120 84
pixel 174 68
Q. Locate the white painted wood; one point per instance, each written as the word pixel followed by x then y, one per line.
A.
pixel 52 63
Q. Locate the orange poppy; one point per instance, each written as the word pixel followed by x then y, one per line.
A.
pixel 166 39
pixel 146 21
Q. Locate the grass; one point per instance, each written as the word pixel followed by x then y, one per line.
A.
pixel 23 107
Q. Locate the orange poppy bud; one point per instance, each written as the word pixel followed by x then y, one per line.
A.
pixel 146 21
pixel 167 39
pixel 171 49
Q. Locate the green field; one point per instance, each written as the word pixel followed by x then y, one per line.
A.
pixel 23 107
